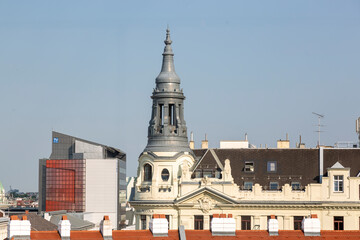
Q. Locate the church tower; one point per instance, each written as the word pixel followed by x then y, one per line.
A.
pixel 167 127
pixel 167 153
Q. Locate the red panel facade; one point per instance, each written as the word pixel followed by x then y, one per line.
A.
pixel 65 185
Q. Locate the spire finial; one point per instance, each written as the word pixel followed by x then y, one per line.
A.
pixel 168 40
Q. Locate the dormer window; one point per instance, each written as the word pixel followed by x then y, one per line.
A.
pixel 249 167
pixel 338 183
pixel 271 166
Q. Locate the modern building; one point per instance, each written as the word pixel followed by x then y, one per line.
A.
pixel 84 177
pixel 190 186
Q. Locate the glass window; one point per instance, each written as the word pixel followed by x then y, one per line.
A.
pixel 208 173
pixel 165 174
pixel 338 183
pixel 271 166
pixel 245 223
pixel 198 173
pixel 248 185
pixel 143 222
pixel 147 172
pixel 298 222
pixel 218 174
pixel 199 222
pixel 338 223
pixel 274 185
pixel 295 186
pixel 249 167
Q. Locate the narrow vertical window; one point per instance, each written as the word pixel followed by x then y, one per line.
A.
pixel 161 108
pixel 143 222
pixel 172 114
pixel 147 172
pixel 338 223
pixel 168 219
pixel 338 183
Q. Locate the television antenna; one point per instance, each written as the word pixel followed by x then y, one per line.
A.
pixel 320 116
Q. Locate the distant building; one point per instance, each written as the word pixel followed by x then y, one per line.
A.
pixel 84 177
pixel 2 194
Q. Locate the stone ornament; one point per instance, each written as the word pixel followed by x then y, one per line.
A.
pixel 227 171
pixel 206 204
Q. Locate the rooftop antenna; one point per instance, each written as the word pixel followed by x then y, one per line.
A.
pixel 320 116
pixel 358 129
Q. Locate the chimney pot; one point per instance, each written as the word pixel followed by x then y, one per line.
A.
pixel 159 226
pixel 311 226
pixel 273 226
pixel 19 228
pixel 106 228
pixel 64 227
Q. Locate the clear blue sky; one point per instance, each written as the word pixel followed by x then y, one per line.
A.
pixel 87 69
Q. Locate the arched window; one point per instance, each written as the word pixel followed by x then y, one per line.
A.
pixel 147 172
pixel 165 174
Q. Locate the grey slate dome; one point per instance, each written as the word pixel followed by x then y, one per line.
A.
pixel 167 130
pixel 168 79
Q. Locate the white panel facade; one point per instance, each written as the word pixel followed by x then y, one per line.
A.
pixel 101 190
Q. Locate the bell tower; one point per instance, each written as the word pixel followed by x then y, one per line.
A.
pixel 167 130
pixel 167 155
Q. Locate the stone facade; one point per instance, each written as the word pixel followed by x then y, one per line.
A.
pixel 188 186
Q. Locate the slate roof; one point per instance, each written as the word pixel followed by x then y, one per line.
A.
pixel 76 222
pixel 292 165
pixel 300 165
pixel 38 223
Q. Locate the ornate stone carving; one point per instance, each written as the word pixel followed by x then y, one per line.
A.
pixel 227 171
pixel 145 211
pixel 206 204
pixel 205 181
pixel 185 171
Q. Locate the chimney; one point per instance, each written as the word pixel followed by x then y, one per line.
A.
pixel 205 143
pixel 159 225
pixel 284 143
pixel 273 226
pixel 64 228
pixel 192 143
pixel 106 228
pixel 311 226
pixel 222 226
pixel 246 137
pixel 19 229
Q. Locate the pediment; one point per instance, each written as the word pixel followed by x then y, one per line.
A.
pixel 205 195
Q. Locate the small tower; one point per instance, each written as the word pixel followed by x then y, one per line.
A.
pixel 167 130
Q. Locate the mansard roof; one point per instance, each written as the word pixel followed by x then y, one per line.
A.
pixel 292 165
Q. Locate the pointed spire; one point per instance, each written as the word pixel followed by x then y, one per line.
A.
pixel 168 76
